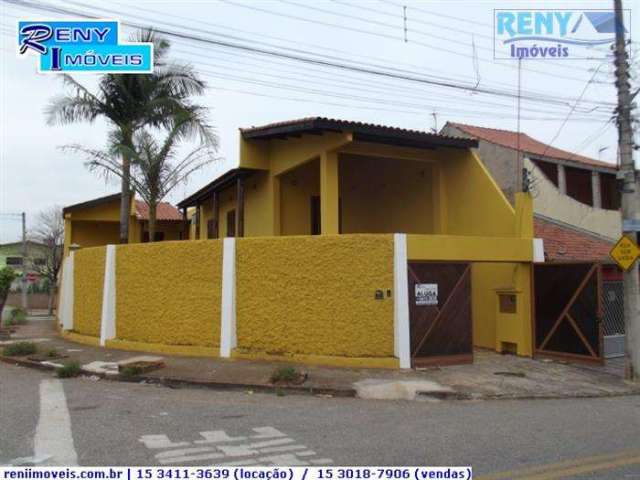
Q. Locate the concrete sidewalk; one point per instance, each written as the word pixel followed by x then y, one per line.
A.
pixel 491 376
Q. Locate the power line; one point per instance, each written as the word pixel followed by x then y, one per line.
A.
pixel 439 48
pixel 303 59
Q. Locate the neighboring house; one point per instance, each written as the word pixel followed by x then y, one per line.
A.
pixel 11 255
pixel 576 206
pixel 320 176
pixel 97 222
pixel 570 188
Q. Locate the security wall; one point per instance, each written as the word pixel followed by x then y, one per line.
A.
pixel 87 290
pixel 315 295
pixel 169 293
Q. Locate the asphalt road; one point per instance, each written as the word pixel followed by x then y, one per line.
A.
pixel 44 420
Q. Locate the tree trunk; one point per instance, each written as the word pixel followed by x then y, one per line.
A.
pixel 3 299
pixel 125 198
pixel 152 222
pixel 52 294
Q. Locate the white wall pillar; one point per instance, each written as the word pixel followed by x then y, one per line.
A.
pixel 66 293
pixel 596 190
pixel 108 318
pixel 562 179
pixel 401 346
pixel 228 338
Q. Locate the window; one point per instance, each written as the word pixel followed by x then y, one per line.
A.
pixel 508 303
pixel 231 223
pixel 14 261
pixel 40 261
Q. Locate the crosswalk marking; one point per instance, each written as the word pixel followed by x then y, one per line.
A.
pixel 272 447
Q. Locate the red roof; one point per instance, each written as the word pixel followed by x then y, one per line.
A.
pixel 509 139
pixel 164 212
pixel 562 242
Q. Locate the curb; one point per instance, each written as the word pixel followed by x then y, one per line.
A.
pixel 172 382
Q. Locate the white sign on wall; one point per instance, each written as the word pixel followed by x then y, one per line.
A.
pixel 426 294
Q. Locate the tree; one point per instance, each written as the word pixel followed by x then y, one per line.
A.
pixel 7 276
pixel 156 166
pixel 130 102
pixel 49 231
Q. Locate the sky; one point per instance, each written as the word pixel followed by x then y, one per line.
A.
pixel 449 41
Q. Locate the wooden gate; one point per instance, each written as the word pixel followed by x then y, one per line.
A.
pixel 568 311
pixel 440 313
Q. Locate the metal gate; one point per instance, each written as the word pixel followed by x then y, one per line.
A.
pixel 567 319
pixel 613 318
pixel 440 313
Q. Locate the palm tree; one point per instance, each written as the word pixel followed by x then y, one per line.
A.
pixel 130 102
pixel 156 168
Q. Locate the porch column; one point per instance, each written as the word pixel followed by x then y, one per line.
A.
pixel 240 207
pixel 215 216
pixel 329 215
pixel 562 179
pixel 596 190
pixel 185 224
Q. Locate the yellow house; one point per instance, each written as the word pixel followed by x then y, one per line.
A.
pixel 468 251
pixel 97 222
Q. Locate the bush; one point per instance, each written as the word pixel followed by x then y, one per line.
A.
pixel 68 370
pixel 284 374
pixel 20 349
pixel 17 316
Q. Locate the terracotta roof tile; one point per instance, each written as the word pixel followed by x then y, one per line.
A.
pixel 509 139
pixel 566 243
pixel 164 212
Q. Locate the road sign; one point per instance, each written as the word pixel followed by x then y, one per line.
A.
pixel 625 252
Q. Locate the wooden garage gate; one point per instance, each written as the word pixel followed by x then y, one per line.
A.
pixel 568 311
pixel 440 313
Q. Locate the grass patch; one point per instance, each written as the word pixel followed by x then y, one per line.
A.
pixel 285 374
pixel 52 353
pixel 68 370
pixel 20 349
pixel 132 371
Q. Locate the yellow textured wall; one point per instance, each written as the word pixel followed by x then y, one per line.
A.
pixel 88 271
pixel 169 292
pixel 315 295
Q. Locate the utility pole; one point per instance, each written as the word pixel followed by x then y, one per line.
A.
pixel 627 174
pixel 23 283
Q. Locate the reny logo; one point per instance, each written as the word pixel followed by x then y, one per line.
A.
pixel 554 34
pixel 82 46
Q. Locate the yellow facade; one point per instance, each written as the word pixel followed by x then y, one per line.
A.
pixel 98 223
pixel 315 296
pixel 87 290
pixel 169 293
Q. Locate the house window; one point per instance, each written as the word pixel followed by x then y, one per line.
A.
pixel 40 261
pixel 231 223
pixel 508 303
pixel 549 169
pixel 14 261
